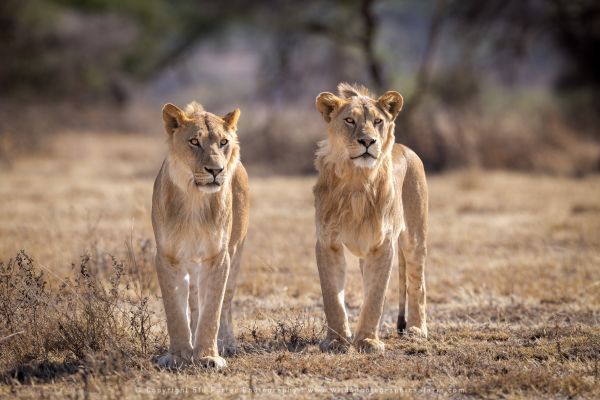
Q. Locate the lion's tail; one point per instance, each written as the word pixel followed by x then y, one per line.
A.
pixel 401 323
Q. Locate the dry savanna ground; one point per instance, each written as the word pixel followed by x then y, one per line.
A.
pixel 513 287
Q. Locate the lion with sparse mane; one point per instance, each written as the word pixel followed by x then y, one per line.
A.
pixel 371 197
pixel 200 211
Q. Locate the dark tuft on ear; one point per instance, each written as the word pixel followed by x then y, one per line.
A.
pixel 231 119
pixel 173 117
pixel 327 103
pixel 391 102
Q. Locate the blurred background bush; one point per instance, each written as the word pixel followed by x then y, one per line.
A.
pixel 509 84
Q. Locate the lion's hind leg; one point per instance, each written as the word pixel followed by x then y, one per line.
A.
pixel 415 253
pixel 413 244
pixel 226 340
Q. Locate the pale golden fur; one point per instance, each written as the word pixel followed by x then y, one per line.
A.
pixel 200 211
pixel 371 197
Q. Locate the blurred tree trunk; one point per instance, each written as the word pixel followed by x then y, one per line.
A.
pixel 368 44
pixel 426 65
pixel 431 149
pixel 364 37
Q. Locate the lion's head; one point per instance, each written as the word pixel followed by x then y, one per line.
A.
pixel 360 128
pixel 203 147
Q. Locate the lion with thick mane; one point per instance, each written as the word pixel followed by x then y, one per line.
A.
pixel 371 197
pixel 200 211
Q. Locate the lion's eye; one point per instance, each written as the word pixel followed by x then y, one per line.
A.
pixel 194 142
pixel 224 142
pixel 377 121
pixel 349 120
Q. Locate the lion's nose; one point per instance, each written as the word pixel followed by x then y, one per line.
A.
pixel 366 141
pixel 214 171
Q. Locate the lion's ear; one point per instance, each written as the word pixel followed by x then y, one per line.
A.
pixel 327 103
pixel 173 117
pixel 231 119
pixel 391 102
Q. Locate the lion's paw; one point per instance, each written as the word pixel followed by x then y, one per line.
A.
pixel 171 361
pixel 417 332
pixel 370 346
pixel 336 345
pixel 212 362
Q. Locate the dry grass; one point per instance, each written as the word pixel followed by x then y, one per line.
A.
pixel 513 286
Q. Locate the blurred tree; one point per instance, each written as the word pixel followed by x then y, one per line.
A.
pixel 495 35
pixel 352 23
pixel 75 49
pixel 423 78
pixel 191 21
pixel 83 49
pixel 88 47
pixel 513 27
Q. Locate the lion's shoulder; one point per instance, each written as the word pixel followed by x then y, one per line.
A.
pixel 405 159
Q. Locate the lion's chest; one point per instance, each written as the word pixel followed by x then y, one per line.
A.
pixel 361 241
pixel 361 235
pixel 192 239
pixel 196 246
pixel 361 222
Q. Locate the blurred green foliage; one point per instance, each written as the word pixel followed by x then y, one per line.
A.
pixel 90 49
pixel 150 15
pixel 85 47
pixel 64 47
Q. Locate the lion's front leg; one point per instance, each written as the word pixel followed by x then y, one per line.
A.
pixel 174 286
pixel 377 267
pixel 194 309
pixel 332 274
pixel 213 280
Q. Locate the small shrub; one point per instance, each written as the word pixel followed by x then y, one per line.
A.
pixel 298 333
pixel 98 323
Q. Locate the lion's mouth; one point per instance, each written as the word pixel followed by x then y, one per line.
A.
pixel 208 184
pixel 366 154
